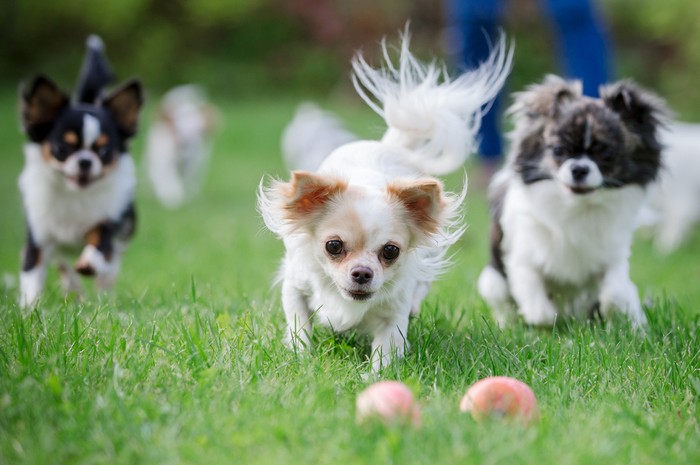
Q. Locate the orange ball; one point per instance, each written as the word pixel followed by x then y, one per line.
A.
pixel 388 401
pixel 501 396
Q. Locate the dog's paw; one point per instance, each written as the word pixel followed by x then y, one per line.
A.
pixel 622 297
pixel 632 310
pixel 541 315
pixel 85 269
pixel 91 262
pixel 31 283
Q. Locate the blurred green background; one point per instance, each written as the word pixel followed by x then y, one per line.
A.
pixel 302 47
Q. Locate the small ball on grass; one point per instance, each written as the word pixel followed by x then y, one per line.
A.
pixel 501 396
pixel 388 401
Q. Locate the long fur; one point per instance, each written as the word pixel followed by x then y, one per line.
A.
pixel 435 117
pixel 78 182
pixel 561 241
pixel 674 202
pixel 366 193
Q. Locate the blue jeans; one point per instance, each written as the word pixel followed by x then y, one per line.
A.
pixel 581 45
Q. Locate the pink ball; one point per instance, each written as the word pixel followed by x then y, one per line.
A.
pixel 501 396
pixel 388 401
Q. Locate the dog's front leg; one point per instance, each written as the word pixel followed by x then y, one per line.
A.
pixel 618 293
pixel 105 245
pixel 298 316
pixel 529 292
pixel 96 257
pixel 33 275
pixel 389 339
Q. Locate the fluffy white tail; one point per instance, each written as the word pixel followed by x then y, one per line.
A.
pixel 435 117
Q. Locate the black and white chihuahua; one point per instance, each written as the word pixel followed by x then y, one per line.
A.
pixel 78 182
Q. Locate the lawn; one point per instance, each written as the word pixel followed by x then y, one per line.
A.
pixel 183 363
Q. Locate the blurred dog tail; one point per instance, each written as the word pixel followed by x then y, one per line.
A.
pixel 95 73
pixel 427 112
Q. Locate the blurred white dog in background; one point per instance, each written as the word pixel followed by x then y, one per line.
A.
pixel 179 144
pixel 674 202
pixel 311 136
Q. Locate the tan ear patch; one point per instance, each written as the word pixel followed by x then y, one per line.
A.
pixel 70 138
pixel 102 140
pixel 423 201
pixel 308 191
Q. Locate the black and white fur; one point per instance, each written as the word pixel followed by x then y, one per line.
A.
pixel 78 181
pixel 565 205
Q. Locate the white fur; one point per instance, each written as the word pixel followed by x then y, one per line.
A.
pixel 450 110
pixel 178 145
pixel 60 215
pixel 592 180
pixel 563 252
pixel 674 205
pixel 311 136
pixel 71 167
pixel 31 283
pixel 91 130
pixel 431 127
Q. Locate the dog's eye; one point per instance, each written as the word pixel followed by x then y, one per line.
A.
pixel 334 247
pixel 102 150
pixel 390 252
pixel 558 151
pixel 62 150
pixel 606 155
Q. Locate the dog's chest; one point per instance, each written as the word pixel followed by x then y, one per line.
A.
pixel 335 312
pixel 58 214
pixel 568 238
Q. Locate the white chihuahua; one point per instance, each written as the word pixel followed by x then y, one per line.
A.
pixel 368 232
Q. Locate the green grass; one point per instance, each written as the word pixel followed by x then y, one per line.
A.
pixel 183 363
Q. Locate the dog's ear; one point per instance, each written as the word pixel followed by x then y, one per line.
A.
pixel 125 105
pixel 640 110
pixel 546 99
pixel 423 200
pixel 308 192
pixel 642 114
pixel 289 206
pixel 41 101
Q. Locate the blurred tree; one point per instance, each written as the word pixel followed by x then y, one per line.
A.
pixel 244 47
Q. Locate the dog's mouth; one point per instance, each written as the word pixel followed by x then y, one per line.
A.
pixel 360 295
pixel 81 180
pixel 581 190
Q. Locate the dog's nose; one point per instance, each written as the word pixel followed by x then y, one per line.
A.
pixel 579 172
pixel 362 275
pixel 84 164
